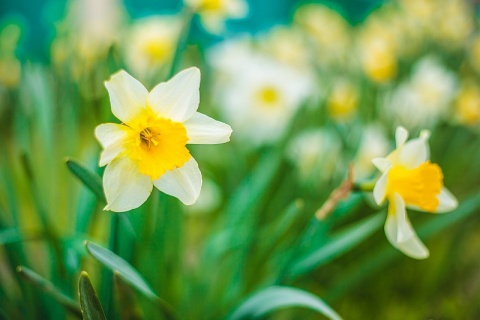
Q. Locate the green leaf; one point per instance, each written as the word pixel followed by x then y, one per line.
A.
pixel 89 178
pixel 124 269
pixel 49 288
pixel 126 300
pixel 276 298
pixel 10 236
pixel 89 303
pixel 129 274
pixel 342 242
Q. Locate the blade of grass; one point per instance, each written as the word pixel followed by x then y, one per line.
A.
pixel 340 243
pixel 89 303
pixel 384 255
pixel 11 235
pixel 275 298
pixel 129 274
pixel 49 288
pixel 89 178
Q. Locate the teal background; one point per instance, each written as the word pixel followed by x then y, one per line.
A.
pixel 37 17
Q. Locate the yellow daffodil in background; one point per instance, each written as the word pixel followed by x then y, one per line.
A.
pixel 10 67
pixel 343 100
pixel 213 13
pixel 149 147
pixel 410 180
pixel 467 106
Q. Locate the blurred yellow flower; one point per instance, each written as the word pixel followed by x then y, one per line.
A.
pixel 378 58
pixel 213 13
pixel 10 66
pixel 343 100
pixel 410 180
pixel 149 147
pixel 468 104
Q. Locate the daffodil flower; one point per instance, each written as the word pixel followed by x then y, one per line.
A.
pixel 410 180
pixel 149 147
pixel 213 13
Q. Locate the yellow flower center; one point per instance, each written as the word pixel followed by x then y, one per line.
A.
pixel 156 144
pixel 268 96
pixel 158 50
pixel 419 186
pixel 211 5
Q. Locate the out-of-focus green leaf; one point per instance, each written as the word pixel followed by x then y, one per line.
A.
pixel 386 253
pixel 49 288
pixel 89 303
pixel 126 302
pixel 9 236
pixel 129 274
pixel 90 179
pixel 278 297
pixel 342 242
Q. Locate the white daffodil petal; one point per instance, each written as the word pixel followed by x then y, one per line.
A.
pixel 127 95
pixel 397 208
pixel 125 187
pixel 448 202
pixel 414 153
pixel 205 130
pixel 382 164
pixel 380 189
pixel 400 233
pixel 111 136
pixel 178 98
pixel 183 183
pixel 401 135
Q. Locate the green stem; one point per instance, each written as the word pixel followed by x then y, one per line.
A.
pixel 182 42
pixel 107 284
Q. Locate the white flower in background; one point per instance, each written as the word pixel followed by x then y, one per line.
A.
pixel 410 180
pixel 149 147
pixel 92 26
pixel 258 95
pixel 425 98
pixel 373 144
pixel 287 44
pixel 213 13
pixel 316 153
pixel 151 44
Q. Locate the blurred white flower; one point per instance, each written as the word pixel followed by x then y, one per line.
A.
pixel 425 98
pixel 91 27
pixel 316 153
pixel 373 144
pixel 213 13
pixel 149 147
pixel 328 31
pixel 151 43
pixel 410 180
pixel 256 94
